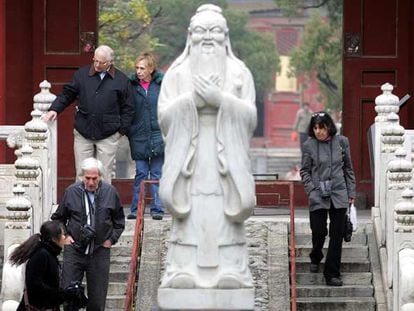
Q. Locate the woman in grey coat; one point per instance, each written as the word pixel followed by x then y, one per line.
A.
pixel 329 182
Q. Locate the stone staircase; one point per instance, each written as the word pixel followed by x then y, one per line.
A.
pixel 357 293
pixel 312 293
pixel 268 248
pixel 119 270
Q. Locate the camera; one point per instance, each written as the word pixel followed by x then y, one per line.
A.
pixel 325 188
pixel 87 234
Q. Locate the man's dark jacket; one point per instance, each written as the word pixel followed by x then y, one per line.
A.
pixel 109 214
pixel 145 138
pixel 104 106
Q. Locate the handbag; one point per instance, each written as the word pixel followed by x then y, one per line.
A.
pixel 348 228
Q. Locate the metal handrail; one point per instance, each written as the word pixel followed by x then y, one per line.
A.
pixel 291 185
pixel 136 246
pixel 292 246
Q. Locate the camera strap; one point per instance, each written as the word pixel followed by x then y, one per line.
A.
pixel 90 216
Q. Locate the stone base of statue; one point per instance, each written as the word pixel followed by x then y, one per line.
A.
pixel 206 299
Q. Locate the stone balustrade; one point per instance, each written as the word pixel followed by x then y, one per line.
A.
pixel 393 212
pixel 34 187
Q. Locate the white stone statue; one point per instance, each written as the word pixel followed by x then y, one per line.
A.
pixel 207 115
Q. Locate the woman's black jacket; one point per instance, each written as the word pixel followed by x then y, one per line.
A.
pixel 42 278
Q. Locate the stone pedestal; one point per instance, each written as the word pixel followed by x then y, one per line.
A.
pixel 206 299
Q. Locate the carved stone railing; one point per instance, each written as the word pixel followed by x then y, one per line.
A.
pixel 34 192
pixel 393 213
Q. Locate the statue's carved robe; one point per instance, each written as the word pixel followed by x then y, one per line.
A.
pixel 207 183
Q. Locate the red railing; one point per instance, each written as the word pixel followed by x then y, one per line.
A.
pixel 292 246
pixel 136 247
pixel 273 200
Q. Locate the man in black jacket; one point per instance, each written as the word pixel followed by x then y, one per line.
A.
pixel 94 219
pixel 104 111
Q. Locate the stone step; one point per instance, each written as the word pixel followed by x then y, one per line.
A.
pixel 120 260
pixel 303 227
pixel 360 278
pixel 115 302
pixel 118 272
pixel 122 250
pixel 347 265
pixel 334 291
pixel 359 238
pixel 125 240
pixel 348 250
pixel 118 276
pixel 336 304
pixel 356 294
pixel 117 288
pixel 119 269
pixel 129 225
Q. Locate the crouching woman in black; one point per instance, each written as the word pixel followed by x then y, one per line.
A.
pixel 42 270
pixel 329 182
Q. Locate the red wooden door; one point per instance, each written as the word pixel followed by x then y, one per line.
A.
pixel 64 36
pixel 378 48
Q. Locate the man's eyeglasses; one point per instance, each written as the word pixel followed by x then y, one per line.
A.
pixel 318 114
pixel 99 62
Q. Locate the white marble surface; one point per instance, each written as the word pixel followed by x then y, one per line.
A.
pixel 207 115
pixel 206 299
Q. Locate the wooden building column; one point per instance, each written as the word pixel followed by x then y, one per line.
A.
pixel 2 71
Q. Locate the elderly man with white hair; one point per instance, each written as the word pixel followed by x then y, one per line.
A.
pixel 94 218
pixel 104 110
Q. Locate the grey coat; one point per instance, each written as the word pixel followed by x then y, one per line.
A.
pixel 334 163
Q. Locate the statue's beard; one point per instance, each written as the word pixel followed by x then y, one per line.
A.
pixel 206 64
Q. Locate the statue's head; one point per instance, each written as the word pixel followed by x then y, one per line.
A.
pixel 208 29
pixel 207 39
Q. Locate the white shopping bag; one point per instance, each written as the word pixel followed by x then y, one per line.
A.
pixel 353 217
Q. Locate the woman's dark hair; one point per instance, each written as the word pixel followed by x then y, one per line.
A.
pixel 323 119
pixel 49 230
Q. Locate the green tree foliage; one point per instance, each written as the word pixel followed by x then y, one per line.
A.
pixel 124 25
pixel 320 54
pixel 297 7
pixel 160 26
pixel 320 51
pixel 257 50
pixel 170 27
